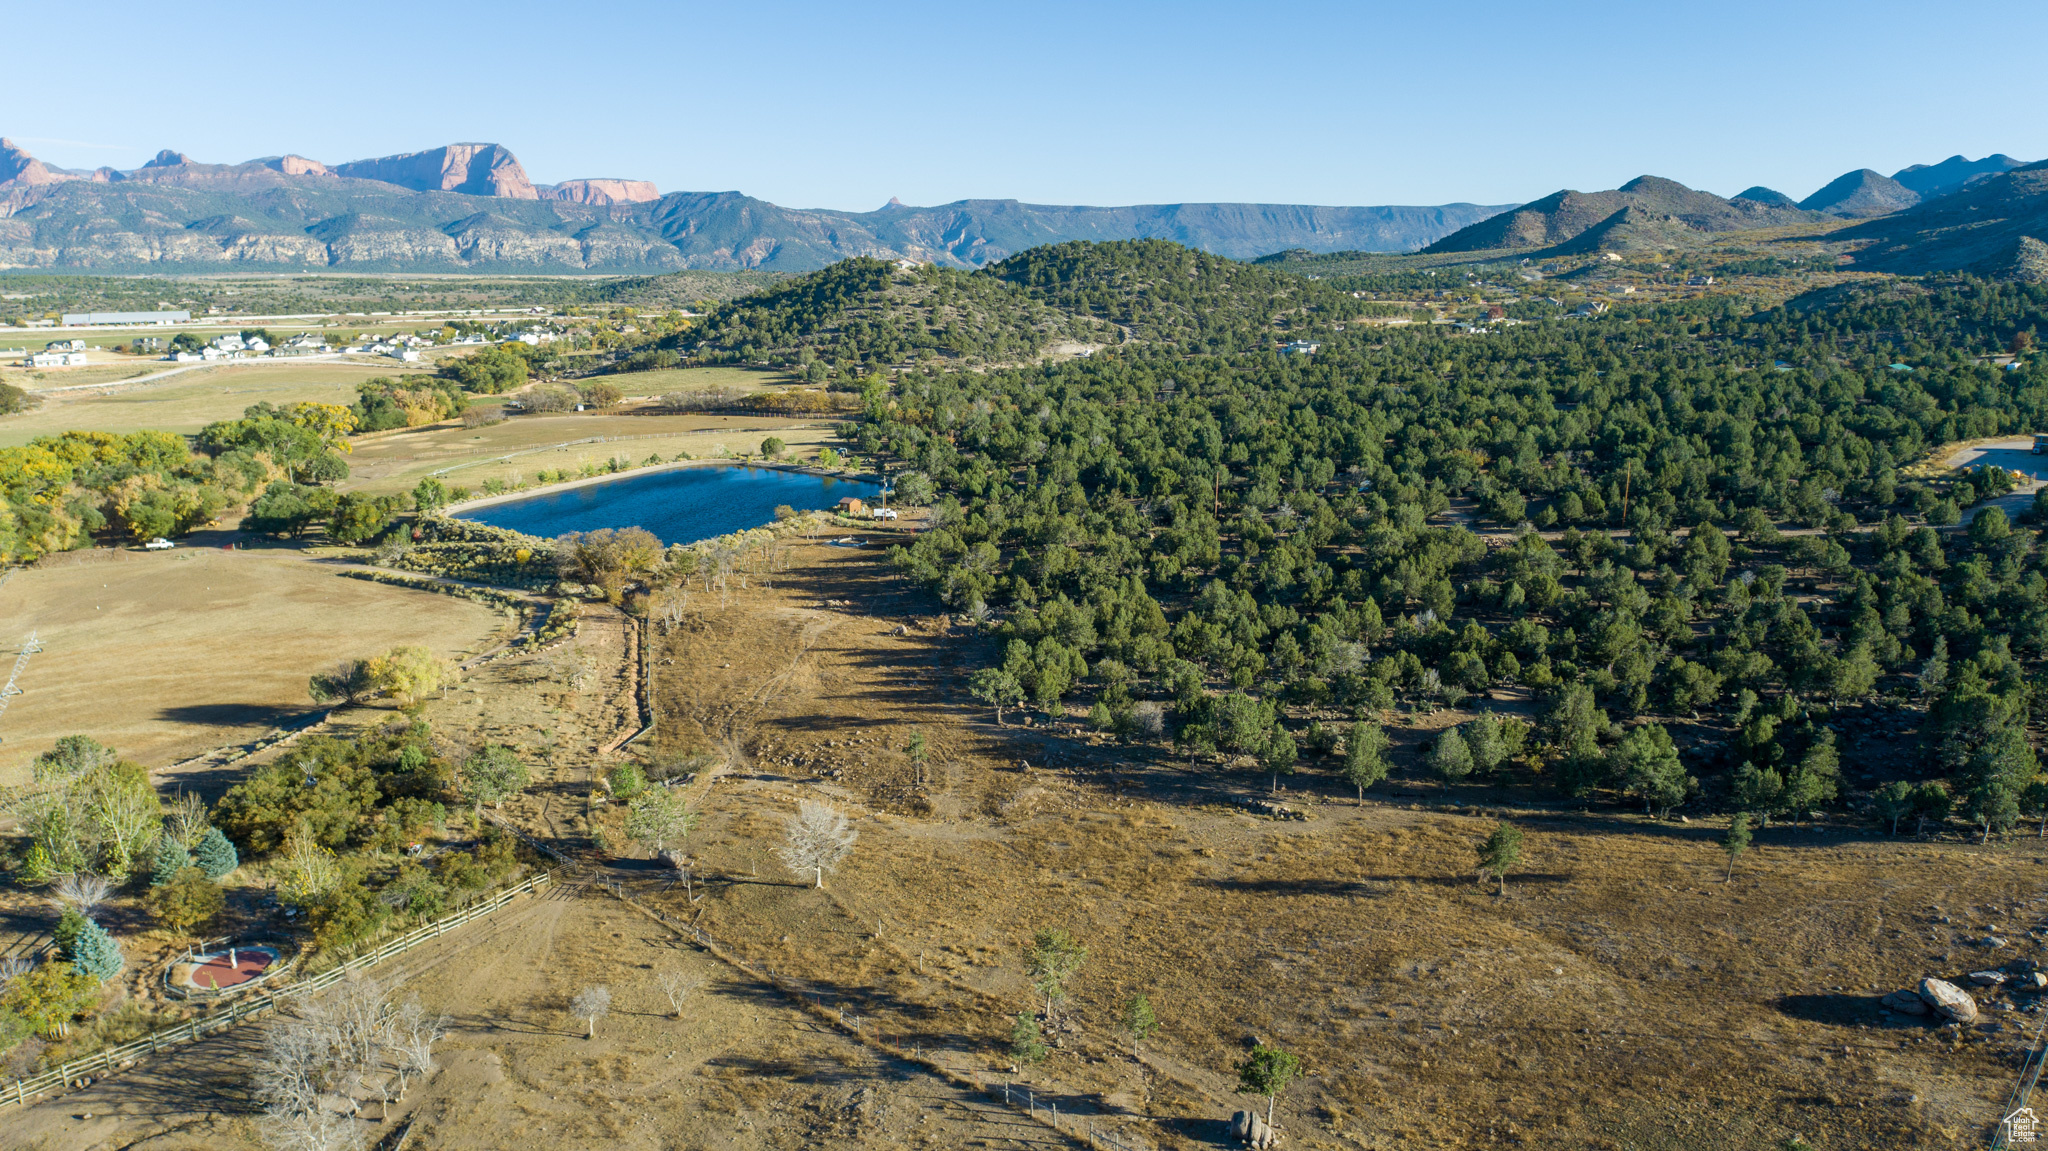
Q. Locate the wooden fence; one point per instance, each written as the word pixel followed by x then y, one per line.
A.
pixel 115 1058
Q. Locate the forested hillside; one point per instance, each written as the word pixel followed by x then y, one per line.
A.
pixel 871 312
pixel 1703 515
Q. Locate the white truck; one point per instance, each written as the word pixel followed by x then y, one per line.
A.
pixel 158 544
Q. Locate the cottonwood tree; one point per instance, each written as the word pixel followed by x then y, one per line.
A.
pixel 408 673
pixel 658 817
pixel 1500 853
pixel 677 987
pixel 1267 1071
pixel 816 840
pixel 591 1004
pixel 1052 960
pixel 492 775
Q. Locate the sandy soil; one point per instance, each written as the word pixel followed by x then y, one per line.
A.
pixel 164 655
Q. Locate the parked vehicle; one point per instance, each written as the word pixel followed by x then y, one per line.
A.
pixel 883 513
pixel 158 544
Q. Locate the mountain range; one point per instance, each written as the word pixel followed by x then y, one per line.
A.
pixel 471 207
pixel 1653 213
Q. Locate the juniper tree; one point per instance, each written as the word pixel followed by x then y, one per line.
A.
pixel 1894 802
pixel 1647 766
pixel 1451 758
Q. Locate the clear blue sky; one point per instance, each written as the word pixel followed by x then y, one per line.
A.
pixel 842 105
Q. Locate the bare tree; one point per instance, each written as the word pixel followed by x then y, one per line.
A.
pixel 187 823
pixel 818 839
pixel 13 969
pixel 408 1038
pixel 678 987
pixel 591 1004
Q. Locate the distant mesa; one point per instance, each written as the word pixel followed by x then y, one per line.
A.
pixel 296 166
pixel 1769 197
pixel 600 191
pixel 472 169
pixel 169 159
pixel 1861 194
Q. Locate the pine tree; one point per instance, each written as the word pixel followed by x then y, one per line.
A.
pixel 96 954
pixel 1737 840
pixel 1500 853
pixel 1027 1043
pixel 1365 756
pixel 65 935
pixel 171 858
pixel 216 856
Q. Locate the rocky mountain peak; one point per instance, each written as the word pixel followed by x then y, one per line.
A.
pixel 472 169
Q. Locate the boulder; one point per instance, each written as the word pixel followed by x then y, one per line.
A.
pixel 1988 978
pixel 1948 1000
pixel 1906 1002
pixel 1249 1129
pixel 2034 981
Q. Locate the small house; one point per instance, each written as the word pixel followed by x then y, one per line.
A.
pixel 853 506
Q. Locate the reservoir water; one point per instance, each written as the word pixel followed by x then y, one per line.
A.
pixel 679 505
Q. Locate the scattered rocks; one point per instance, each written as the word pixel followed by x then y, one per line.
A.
pixel 1247 1128
pixel 1948 1000
pixel 1905 1002
pixel 1268 807
pixel 2034 981
pixel 1991 941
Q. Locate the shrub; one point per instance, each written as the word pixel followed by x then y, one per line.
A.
pixel 627 780
pixel 189 900
pixel 53 993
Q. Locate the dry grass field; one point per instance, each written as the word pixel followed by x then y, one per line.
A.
pixel 167 654
pixel 186 402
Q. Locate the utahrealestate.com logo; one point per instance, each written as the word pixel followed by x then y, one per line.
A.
pixel 2022 1126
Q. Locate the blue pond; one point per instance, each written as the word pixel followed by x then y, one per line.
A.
pixel 680 505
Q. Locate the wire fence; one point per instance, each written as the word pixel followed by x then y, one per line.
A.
pixel 114 1058
pixel 1088 1128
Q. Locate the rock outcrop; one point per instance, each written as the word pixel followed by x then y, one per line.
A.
pixel 1906 1002
pixel 1948 1000
pixel 601 191
pixel 20 169
pixel 1247 1128
pixel 297 166
pixel 472 169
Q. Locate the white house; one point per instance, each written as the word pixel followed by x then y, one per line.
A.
pixel 404 355
pixel 64 346
pixel 57 360
pixel 1301 348
pixel 228 343
pixel 186 357
pixel 259 344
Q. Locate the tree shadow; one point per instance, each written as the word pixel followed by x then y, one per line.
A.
pixel 240 715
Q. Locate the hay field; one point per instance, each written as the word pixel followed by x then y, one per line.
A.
pixel 167 654
pixel 186 402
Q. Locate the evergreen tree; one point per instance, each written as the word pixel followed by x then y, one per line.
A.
pixel 216 855
pixel 1451 758
pixel 1027 1042
pixel 1736 841
pixel 70 926
pixel 171 858
pixel 1500 853
pixel 1365 756
pixel 1894 803
pixel 96 954
pixel 1647 766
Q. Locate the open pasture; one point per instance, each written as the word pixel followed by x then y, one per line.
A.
pixel 164 655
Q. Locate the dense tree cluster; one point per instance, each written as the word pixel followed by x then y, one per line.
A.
pixel 57 491
pixel 1265 541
